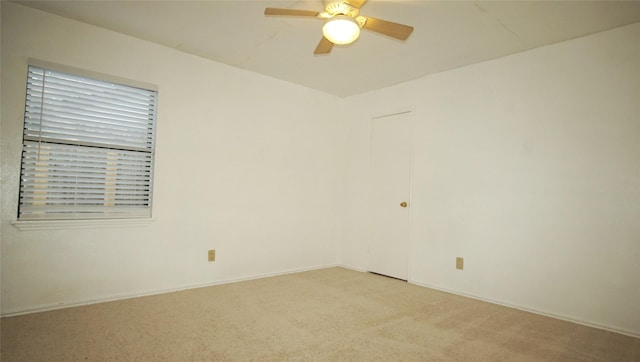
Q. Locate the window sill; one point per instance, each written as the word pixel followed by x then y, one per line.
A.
pixel 78 224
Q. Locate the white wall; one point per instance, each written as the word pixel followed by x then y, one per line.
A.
pixel 528 166
pixel 245 164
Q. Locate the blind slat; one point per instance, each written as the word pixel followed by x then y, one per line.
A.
pixel 83 102
pixel 37 74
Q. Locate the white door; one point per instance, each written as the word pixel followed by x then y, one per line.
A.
pixel 391 182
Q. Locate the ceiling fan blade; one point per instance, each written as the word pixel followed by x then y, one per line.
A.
pixel 394 30
pixel 356 3
pixel 324 46
pixel 290 12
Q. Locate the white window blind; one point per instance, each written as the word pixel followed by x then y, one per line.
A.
pixel 88 148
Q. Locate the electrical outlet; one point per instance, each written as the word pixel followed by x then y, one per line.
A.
pixel 212 255
pixel 459 263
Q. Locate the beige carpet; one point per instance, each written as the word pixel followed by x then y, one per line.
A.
pixel 324 315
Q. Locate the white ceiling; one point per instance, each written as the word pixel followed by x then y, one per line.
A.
pixel 447 35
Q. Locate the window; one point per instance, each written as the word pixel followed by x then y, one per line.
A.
pixel 88 148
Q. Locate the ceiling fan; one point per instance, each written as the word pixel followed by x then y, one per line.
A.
pixel 343 23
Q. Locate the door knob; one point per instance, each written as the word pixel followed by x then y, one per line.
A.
pixel 403 204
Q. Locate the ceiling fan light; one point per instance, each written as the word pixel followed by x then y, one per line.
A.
pixel 341 29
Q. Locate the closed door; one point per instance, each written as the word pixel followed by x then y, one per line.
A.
pixel 390 192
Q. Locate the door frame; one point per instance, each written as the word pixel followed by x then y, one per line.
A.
pixel 410 110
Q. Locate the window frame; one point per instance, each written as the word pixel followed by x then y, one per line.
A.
pixel 141 215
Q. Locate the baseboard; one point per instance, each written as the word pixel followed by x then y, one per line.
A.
pixel 112 298
pixel 362 270
pixel 525 309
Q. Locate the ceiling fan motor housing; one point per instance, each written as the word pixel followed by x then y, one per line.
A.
pixel 341 8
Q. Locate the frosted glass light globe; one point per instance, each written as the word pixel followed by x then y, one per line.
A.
pixel 341 29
